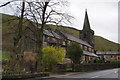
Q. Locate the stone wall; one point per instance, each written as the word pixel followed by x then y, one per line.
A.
pixel 89 67
pixel 93 67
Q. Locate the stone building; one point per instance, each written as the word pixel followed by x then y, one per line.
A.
pixel 58 38
pixel 61 39
pixel 88 50
pixel 108 56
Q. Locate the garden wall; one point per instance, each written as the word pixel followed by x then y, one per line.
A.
pixel 89 67
pixel 93 67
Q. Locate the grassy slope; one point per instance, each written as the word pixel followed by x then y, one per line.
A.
pixel 65 29
pixel 104 44
pixel 9 24
pixel 4 56
pixel 100 43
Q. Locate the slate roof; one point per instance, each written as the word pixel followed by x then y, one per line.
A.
pixel 52 34
pixel 89 54
pixel 108 53
pixel 72 38
pixel 46 32
pixel 69 37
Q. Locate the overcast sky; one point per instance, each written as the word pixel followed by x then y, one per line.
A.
pixel 103 16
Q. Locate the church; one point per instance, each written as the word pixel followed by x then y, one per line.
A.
pixel 62 39
pixel 27 45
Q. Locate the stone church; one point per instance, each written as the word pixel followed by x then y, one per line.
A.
pixel 87 34
pixel 58 38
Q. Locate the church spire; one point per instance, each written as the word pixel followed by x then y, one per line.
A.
pixel 86 25
pixel 87 34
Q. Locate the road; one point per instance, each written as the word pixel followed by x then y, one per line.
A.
pixel 110 74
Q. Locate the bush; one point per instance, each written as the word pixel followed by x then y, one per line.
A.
pixel 4 56
pixel 8 68
pixel 52 56
pixel 75 52
pixel 99 61
pixel 69 69
pixel 114 61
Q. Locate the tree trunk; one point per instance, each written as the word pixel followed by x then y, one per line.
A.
pixel 40 39
pixel 39 49
pixel 18 34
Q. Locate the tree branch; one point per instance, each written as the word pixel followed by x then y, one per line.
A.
pixel 5 4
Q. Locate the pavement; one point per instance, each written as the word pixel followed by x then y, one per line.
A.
pixel 109 73
pixel 53 75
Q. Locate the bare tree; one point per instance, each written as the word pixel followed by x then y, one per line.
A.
pixel 39 14
pixel 5 4
pixel 19 31
pixel 45 12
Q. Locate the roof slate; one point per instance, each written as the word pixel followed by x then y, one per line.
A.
pixel 108 52
pixel 89 54
pixel 52 34
pixel 69 37
pixel 72 38
pixel 46 32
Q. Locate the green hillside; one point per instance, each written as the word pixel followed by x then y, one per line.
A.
pixel 8 28
pixel 103 44
pixel 69 30
pixel 9 24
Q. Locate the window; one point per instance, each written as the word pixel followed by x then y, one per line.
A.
pixel 118 57
pixel 90 49
pixel 68 42
pixel 63 42
pixel 81 46
pixel 85 48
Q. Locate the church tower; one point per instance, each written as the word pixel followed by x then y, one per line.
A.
pixel 87 34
